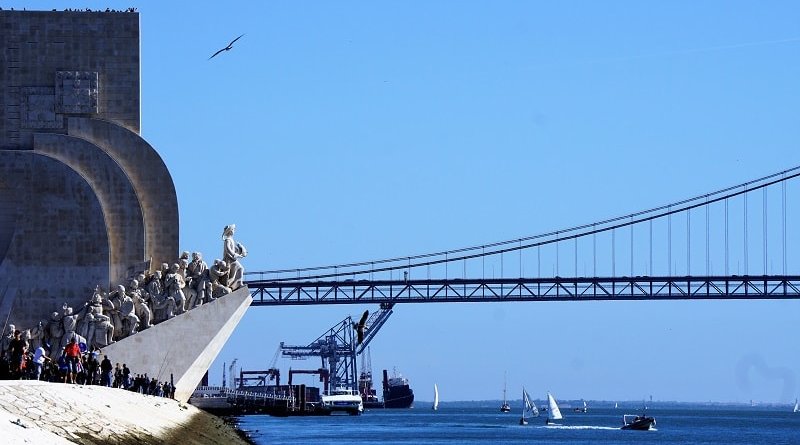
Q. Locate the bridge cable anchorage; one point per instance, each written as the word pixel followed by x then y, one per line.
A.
pixel 496 252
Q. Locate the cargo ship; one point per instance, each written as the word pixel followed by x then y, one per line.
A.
pixel 396 391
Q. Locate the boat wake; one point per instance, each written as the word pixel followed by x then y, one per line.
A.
pixel 578 427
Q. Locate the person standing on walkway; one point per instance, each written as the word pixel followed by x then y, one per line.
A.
pixel 39 357
pixel 17 348
pixel 73 354
pixel 106 371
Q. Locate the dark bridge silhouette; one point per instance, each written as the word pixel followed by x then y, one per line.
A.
pixel 665 253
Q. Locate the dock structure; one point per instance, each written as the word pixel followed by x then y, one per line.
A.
pixel 295 401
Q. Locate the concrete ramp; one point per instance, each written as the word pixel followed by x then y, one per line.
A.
pixel 184 346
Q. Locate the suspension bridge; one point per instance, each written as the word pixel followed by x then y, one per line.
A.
pixel 733 243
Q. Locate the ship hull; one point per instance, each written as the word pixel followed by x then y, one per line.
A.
pixel 398 397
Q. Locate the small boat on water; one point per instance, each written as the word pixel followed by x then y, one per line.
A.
pixel 528 408
pixel 635 422
pixel 553 413
pixel 583 409
pixel 505 407
pixel 435 397
pixel 343 400
pixel 796 407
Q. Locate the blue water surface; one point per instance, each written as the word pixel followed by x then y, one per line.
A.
pixel 484 424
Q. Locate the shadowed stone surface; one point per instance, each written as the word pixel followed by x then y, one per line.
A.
pixel 58 249
pixel 150 179
pixel 115 192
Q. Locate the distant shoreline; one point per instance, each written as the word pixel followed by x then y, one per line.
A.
pixel 629 404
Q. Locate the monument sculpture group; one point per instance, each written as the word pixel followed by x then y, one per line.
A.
pixel 109 316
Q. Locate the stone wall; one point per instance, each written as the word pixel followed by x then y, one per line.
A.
pixel 60 63
pixel 84 200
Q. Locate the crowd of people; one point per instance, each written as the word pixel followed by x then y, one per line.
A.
pixel 76 365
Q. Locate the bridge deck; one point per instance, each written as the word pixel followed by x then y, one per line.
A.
pixel 273 293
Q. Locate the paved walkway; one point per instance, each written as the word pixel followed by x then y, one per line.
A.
pixel 56 413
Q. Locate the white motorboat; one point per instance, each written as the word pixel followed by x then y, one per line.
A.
pixel 343 400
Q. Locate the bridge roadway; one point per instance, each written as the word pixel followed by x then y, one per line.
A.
pixel 761 287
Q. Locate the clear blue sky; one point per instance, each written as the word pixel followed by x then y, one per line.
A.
pixel 346 131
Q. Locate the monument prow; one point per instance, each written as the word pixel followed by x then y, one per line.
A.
pixel 182 348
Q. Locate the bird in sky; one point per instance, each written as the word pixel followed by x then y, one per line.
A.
pixel 227 48
pixel 359 327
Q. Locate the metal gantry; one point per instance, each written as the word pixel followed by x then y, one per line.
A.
pixel 337 348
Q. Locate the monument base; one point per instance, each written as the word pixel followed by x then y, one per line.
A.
pixel 182 348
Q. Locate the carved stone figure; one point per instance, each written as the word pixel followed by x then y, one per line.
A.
pixel 111 305
pixel 70 323
pixel 231 252
pixel 174 285
pixel 127 313
pixel 97 296
pixel 85 323
pixel 103 333
pixel 156 285
pixel 155 292
pixel 36 336
pixel 54 333
pixel 164 272
pixel 164 308
pixel 218 275
pixel 199 281
pixel 8 335
pixel 141 309
pixel 189 291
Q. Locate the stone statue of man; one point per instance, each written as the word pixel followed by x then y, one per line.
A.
pixel 54 333
pixel 36 336
pixel 174 285
pixel 218 275
pixel 127 313
pixel 199 280
pixel 111 306
pixel 103 334
pixel 231 252
pixel 141 309
pixel 70 323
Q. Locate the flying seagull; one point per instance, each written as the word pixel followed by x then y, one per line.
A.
pixel 359 327
pixel 227 48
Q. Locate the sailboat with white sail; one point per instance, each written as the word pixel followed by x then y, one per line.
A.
pixel 796 407
pixel 435 397
pixel 553 413
pixel 528 408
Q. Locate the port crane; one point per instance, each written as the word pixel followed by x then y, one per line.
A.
pixel 250 379
pixel 338 349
